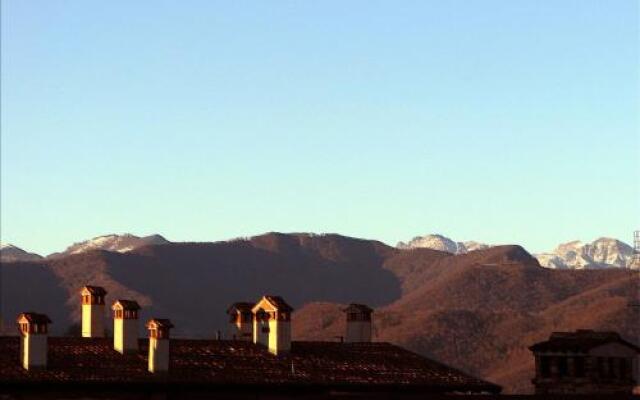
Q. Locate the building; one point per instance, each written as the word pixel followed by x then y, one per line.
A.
pixel 271 365
pixel 585 362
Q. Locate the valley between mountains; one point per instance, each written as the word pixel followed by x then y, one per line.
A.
pixel 478 310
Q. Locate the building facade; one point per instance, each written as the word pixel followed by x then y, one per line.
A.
pixel 585 362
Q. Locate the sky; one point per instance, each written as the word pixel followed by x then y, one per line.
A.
pixel 496 121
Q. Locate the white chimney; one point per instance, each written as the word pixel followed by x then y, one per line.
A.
pixel 272 324
pixel 240 321
pixel 125 326
pixel 358 323
pixel 159 344
pixel 33 342
pixel 93 311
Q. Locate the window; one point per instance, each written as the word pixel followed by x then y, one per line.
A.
pixel 579 365
pixel 612 367
pixel 602 370
pixel 563 366
pixel 545 366
pixel 625 368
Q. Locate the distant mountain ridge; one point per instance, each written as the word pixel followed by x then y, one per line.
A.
pixel 476 311
pixel 601 253
pixel 116 243
pixel 442 243
pixel 11 253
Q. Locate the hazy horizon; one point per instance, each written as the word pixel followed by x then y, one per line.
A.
pixel 494 121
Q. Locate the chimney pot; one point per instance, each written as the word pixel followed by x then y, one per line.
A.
pixel 272 324
pixel 240 321
pixel 93 311
pixel 34 328
pixel 125 326
pixel 358 323
pixel 159 344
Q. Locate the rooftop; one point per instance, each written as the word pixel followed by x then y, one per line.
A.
pixel 211 362
pixel 127 304
pixel 95 290
pixel 34 318
pixel 580 341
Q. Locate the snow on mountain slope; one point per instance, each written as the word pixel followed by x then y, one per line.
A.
pixel 601 253
pixel 442 243
pixel 11 253
pixel 116 243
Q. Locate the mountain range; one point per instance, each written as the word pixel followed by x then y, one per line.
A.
pixel 478 311
pixel 601 253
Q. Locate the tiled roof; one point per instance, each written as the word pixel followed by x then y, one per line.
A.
pixel 96 290
pixel 210 362
pixel 279 303
pixel 34 317
pixel 159 323
pixel 127 304
pixel 363 308
pixel 240 307
pixel 579 341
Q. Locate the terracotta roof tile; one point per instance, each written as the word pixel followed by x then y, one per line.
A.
pixel 580 341
pixel 363 308
pixel 127 304
pixel 96 290
pixel 279 303
pixel 327 364
pixel 34 317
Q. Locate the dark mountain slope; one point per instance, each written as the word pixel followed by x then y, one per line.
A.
pixel 478 311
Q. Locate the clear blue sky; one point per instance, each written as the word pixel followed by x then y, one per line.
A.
pixel 498 121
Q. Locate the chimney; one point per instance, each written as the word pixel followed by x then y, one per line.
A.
pixel 159 344
pixel 240 321
pixel 358 323
pixel 33 342
pixel 272 324
pixel 125 326
pixel 93 311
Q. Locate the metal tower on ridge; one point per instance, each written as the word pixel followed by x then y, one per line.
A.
pixel 635 261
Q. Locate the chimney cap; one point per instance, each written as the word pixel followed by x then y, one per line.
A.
pixel 159 323
pixel 240 306
pixel 33 318
pixel 355 307
pixel 277 303
pixel 125 305
pixel 93 290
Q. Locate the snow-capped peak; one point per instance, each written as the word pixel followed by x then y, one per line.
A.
pixel 117 243
pixel 601 253
pixel 11 253
pixel 442 243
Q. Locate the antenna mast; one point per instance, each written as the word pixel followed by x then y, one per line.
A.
pixel 635 261
pixel 635 264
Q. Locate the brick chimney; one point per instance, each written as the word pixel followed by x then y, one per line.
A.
pixel 272 324
pixel 33 342
pixel 358 323
pixel 125 326
pixel 93 311
pixel 159 344
pixel 240 321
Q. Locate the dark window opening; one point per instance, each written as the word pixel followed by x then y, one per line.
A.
pixel 579 365
pixel 563 366
pixel 545 366
pixel 625 368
